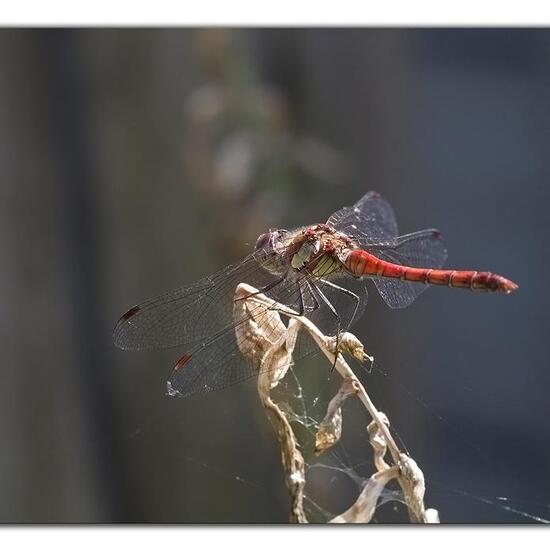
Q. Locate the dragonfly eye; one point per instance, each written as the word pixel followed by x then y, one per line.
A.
pixel 266 241
pixel 262 241
pixel 270 254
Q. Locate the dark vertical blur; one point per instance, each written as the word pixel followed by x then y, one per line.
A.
pixel 134 161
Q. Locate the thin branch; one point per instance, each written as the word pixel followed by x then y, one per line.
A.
pixel 270 345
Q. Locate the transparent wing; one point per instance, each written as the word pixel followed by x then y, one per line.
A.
pixel 420 249
pixel 188 314
pixel 201 318
pixel 371 223
pixel 371 218
pixel 219 363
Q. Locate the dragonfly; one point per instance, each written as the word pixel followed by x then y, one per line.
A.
pixel 321 271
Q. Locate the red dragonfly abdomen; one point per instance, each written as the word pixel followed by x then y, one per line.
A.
pixel 359 263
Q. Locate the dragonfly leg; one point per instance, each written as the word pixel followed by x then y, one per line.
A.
pixel 318 277
pixel 312 294
pixel 338 324
pixel 301 307
pixel 347 292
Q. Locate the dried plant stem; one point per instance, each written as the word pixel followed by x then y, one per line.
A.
pixel 293 461
pixel 271 346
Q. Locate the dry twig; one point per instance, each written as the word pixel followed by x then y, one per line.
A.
pixel 270 346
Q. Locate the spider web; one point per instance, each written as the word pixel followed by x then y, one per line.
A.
pixel 335 479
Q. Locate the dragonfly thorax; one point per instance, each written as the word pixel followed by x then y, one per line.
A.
pixel 321 250
pixel 305 253
pixel 317 250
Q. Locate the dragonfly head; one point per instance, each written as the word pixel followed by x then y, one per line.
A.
pixel 270 251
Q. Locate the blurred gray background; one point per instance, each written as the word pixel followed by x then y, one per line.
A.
pixel 135 161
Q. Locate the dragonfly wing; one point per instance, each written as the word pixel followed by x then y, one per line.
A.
pixel 213 365
pixel 420 249
pixel 235 353
pixel 398 294
pixel 371 218
pixel 203 318
pixel 188 314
